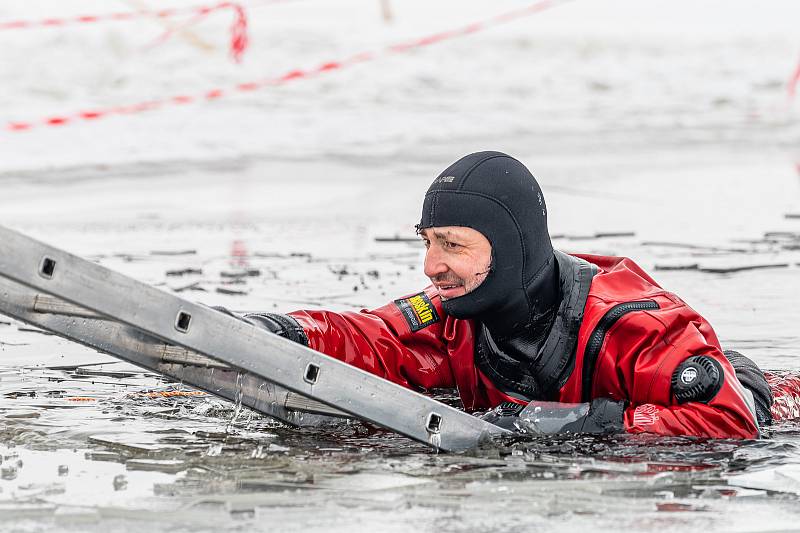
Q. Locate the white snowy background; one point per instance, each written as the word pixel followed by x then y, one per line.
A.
pixel 582 74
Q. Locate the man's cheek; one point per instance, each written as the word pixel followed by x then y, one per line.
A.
pixel 475 282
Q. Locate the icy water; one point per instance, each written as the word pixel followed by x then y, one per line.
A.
pixel 659 131
pixel 85 447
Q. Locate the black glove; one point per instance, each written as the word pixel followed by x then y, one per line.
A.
pixel 548 418
pixel 283 325
pixel 749 375
pixel 605 416
pixel 505 415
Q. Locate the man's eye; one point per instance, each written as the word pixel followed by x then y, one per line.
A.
pixel 426 242
pixel 450 245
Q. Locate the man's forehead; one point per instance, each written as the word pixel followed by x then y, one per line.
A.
pixel 450 231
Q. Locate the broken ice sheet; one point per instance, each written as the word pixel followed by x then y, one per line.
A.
pixel 184 272
pixel 728 491
pixel 170 466
pixel 370 481
pixel 86 483
pixel 784 478
pixel 139 444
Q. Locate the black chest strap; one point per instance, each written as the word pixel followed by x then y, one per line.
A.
pixel 540 376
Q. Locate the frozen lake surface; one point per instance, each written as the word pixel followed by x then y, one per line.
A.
pixel 658 133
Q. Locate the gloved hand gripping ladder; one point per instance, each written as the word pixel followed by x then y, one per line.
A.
pixel 241 345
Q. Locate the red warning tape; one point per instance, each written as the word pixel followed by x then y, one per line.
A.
pixel 128 15
pixel 793 82
pixel 238 28
pixel 289 76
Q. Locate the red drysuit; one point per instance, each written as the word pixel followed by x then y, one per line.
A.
pixel 623 352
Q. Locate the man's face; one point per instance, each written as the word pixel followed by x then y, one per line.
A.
pixel 458 259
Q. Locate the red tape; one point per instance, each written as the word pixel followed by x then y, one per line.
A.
pixel 793 82
pixel 112 17
pixel 238 29
pixel 292 75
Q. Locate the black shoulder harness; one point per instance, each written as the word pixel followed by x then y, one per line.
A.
pixel 549 370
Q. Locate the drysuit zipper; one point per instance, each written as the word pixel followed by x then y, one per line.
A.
pixel 598 336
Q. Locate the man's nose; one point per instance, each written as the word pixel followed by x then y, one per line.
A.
pixel 433 262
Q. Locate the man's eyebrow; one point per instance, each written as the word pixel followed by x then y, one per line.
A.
pixel 441 235
pixel 446 235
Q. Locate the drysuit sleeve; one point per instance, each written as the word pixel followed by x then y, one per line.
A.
pixel 678 380
pixel 401 341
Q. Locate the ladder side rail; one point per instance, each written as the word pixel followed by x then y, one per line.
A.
pixel 147 352
pixel 204 330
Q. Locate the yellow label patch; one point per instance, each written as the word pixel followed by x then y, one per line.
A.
pixel 418 311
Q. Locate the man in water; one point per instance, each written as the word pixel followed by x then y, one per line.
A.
pixel 508 320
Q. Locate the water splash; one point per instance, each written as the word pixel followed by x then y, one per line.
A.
pixel 239 396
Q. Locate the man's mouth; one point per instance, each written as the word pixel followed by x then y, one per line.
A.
pixel 450 289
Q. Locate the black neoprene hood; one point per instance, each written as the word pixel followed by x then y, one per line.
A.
pixel 497 195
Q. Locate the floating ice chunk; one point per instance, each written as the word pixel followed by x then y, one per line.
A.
pixel 170 466
pixel 371 482
pixel 784 478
